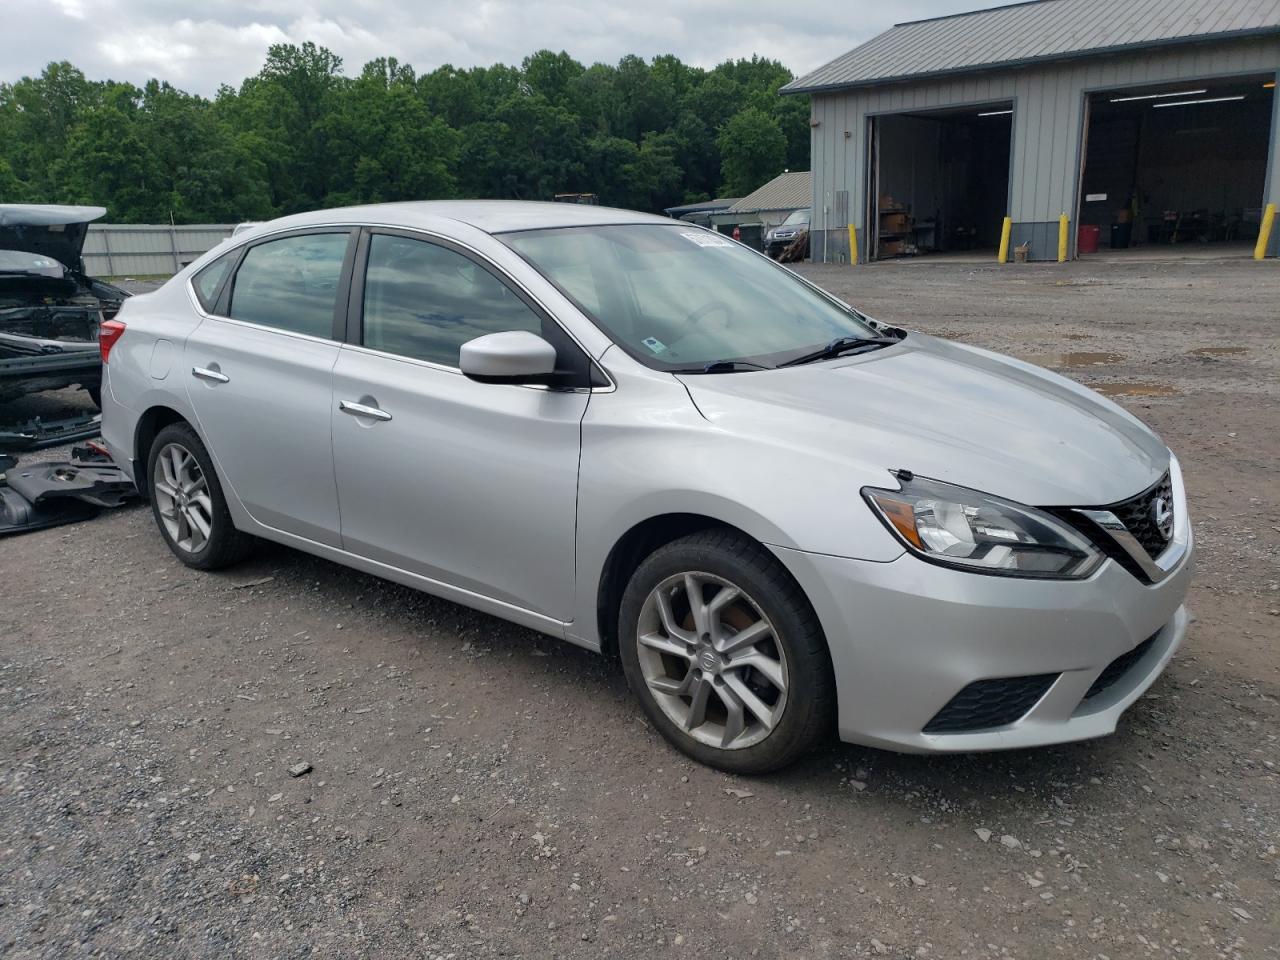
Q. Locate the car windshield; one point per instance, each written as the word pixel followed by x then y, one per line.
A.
pixel 680 298
pixel 797 217
pixel 33 264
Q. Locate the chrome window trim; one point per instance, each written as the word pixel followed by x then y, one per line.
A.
pixel 479 254
pixel 264 328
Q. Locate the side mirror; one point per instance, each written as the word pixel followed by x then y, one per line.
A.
pixel 515 356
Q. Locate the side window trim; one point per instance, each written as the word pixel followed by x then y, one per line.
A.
pixel 355 311
pixel 222 308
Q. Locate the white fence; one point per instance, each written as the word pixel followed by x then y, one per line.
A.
pixel 148 249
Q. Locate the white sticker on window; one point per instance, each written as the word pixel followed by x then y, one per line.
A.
pixel 707 239
pixel 654 344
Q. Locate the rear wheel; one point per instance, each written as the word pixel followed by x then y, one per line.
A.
pixel 188 504
pixel 725 654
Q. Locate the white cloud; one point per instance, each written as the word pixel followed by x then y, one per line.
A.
pixel 138 39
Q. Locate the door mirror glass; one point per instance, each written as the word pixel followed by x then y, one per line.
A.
pixel 515 356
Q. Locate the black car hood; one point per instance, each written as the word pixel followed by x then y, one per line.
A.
pixel 47 230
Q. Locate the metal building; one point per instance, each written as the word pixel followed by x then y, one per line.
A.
pixel 1153 121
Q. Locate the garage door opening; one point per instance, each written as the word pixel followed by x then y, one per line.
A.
pixel 939 181
pixel 1177 169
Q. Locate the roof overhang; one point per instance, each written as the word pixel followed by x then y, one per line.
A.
pixel 841 87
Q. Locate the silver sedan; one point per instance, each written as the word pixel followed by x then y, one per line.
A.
pixel 781 516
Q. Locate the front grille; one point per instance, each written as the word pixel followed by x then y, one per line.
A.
pixel 985 704
pixel 1118 667
pixel 1138 516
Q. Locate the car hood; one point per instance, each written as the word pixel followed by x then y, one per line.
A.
pixel 950 412
pixel 47 230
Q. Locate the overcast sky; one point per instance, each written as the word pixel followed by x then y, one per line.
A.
pixel 198 46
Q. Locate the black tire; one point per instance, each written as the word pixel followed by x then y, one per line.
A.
pixel 809 711
pixel 225 544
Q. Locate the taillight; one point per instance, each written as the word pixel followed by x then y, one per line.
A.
pixel 109 331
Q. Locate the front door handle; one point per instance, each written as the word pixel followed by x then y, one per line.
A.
pixel 214 376
pixel 361 410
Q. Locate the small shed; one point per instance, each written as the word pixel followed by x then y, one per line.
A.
pixel 766 206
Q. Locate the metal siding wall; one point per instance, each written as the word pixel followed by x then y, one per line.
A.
pixel 135 249
pixel 1043 238
pixel 1047 148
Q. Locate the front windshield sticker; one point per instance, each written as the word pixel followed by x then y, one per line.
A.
pixel 654 344
pixel 707 239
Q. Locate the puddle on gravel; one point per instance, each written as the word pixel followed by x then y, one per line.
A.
pixel 1084 359
pixel 1134 390
pixel 1217 351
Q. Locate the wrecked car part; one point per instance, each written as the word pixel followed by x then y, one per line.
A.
pixel 94 452
pixel 40 495
pixel 104 485
pixel 19 515
pixel 49 309
pixel 30 364
pixel 40 433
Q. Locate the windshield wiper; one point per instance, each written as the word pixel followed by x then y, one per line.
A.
pixel 841 346
pixel 723 366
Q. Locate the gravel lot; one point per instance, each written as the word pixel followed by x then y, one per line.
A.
pixel 478 790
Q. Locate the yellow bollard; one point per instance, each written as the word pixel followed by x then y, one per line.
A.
pixel 1063 244
pixel 1005 230
pixel 1264 232
pixel 853 245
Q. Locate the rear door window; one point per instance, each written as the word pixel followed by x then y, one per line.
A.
pixel 291 284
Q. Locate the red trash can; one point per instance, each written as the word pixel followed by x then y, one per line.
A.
pixel 1088 237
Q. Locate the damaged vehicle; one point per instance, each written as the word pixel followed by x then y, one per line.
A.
pixel 49 309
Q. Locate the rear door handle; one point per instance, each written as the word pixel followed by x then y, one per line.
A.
pixel 361 410
pixel 214 376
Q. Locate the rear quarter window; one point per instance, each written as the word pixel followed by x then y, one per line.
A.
pixel 208 282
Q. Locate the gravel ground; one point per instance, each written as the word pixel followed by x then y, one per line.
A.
pixel 479 790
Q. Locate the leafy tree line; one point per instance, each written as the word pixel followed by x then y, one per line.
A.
pixel 301 135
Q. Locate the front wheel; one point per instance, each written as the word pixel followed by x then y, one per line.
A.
pixel 725 653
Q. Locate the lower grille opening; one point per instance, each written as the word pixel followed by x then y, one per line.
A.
pixel 1118 667
pixel 985 704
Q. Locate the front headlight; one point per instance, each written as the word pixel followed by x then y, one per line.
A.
pixel 962 528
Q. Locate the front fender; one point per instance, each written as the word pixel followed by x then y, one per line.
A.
pixel 647 452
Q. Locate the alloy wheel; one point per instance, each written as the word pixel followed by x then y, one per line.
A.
pixel 182 498
pixel 710 657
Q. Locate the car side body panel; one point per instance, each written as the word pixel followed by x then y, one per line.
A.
pixel 647 452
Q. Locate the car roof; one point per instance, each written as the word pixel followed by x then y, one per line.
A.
pixel 491 216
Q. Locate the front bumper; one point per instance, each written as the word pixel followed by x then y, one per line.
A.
pixel 907 636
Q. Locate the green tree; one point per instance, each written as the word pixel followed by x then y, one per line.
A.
pixel 753 151
pixel 384 144
pixel 300 134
